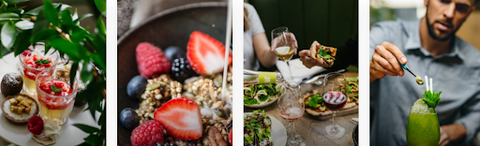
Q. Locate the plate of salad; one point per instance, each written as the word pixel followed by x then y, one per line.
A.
pixel 263 130
pixel 261 95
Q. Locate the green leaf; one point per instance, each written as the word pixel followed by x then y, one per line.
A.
pixel 41 23
pixel 25 24
pixel 43 61
pixel 35 11
pixel 67 17
pixel 45 34
pixel 6 17
pixel 87 73
pixel 101 30
pixel 22 43
pixel 101 6
pixel 8 35
pixel 87 128
pixel 75 52
pixel 78 34
pixel 3 51
pixel 77 21
pixel 322 54
pixel 60 6
pixel 17 10
pixel 47 46
pixel 51 13
pixel 73 73
pixel 431 98
pixel 16 1
pixel 54 89
pixel 93 95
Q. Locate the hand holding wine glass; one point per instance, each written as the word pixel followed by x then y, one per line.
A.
pixel 284 44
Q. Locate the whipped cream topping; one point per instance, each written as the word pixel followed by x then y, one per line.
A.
pixel 52 128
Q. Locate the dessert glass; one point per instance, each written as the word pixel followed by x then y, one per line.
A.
pixel 30 69
pixel 56 105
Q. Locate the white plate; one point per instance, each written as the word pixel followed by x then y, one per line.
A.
pixel 19 134
pixel 279 134
pixel 261 105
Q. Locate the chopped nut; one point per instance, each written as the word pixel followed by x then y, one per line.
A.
pixel 29 102
pixel 25 103
pixel 19 99
pixel 12 108
pixel 13 101
pixel 20 109
pixel 28 109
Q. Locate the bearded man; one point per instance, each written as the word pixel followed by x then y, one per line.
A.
pixel 432 49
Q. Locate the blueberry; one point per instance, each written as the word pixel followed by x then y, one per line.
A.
pixel 129 118
pixel 136 86
pixel 173 52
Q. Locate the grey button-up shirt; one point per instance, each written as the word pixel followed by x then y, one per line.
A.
pixel 457 74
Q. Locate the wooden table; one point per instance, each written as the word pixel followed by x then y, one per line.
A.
pixel 310 128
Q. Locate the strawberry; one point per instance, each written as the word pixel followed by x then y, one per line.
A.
pixel 151 60
pixel 206 54
pixel 181 118
pixel 230 139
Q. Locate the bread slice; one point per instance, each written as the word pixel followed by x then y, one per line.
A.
pixel 314 49
pixel 15 117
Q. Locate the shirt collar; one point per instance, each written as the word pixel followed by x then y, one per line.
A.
pixel 413 42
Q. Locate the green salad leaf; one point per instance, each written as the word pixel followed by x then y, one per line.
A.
pixel 323 54
pixel 261 93
pixel 315 101
pixel 432 98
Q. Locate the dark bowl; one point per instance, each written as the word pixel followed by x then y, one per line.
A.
pixel 355 135
pixel 170 27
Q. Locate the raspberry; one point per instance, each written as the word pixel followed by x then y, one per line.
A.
pixel 35 125
pixel 26 53
pixel 151 60
pixel 147 134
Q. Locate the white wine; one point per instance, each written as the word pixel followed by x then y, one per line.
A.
pixel 285 52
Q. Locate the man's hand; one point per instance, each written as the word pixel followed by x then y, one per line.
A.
pixel 308 61
pixel 385 61
pixel 450 133
pixel 444 139
pixel 278 42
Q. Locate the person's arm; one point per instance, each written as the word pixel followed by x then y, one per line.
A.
pixel 262 50
pixel 470 120
pixel 347 54
pixel 385 56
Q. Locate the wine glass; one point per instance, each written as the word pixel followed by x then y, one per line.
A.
pixel 334 99
pixel 285 45
pixel 291 108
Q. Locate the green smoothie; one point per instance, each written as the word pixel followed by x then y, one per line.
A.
pixel 422 128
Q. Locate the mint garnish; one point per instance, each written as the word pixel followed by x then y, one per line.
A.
pixel 432 98
pixel 55 89
pixel 42 61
